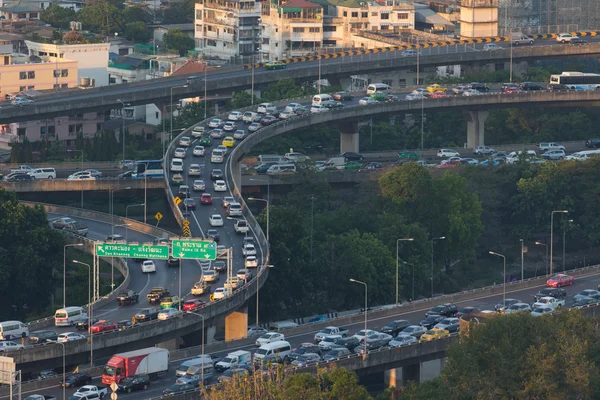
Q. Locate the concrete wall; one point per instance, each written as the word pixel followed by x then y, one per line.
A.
pixel 63 185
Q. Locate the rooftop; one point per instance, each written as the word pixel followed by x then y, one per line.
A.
pixel 191 67
pixel 300 4
pixel 21 6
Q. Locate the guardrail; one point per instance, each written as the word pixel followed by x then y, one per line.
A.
pixel 65 185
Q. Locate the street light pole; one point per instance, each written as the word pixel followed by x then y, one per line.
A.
pixel 123 125
pixel 546 246
pixel 432 240
pixel 65 271
pixel 564 242
pixel 504 284
pixel 266 201
pixel 552 234
pixel 366 307
pixel 397 260
pixel 171 131
pixel 205 83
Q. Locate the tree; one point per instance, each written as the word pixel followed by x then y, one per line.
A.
pixel 283 89
pixel 137 32
pixel 137 13
pixel 190 114
pixel 242 99
pixel 57 16
pixel 177 40
pixel 179 13
pixel 101 17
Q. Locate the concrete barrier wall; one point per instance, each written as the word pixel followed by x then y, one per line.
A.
pixel 64 166
pixel 63 185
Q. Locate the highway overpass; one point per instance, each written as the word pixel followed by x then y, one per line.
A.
pixel 225 81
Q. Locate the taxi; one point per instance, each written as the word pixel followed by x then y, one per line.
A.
pixel 205 141
pixel 170 302
pixel 436 88
pixel 433 334
pixel 177 179
pixel 275 65
pixel 228 141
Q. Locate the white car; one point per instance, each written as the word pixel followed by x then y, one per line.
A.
pixel 492 47
pixel 215 220
pixel 198 131
pixel 210 276
pixel 549 302
pixel 148 266
pixel 483 150
pixel 185 141
pixel 229 126
pixel 177 165
pixel 220 186
pixel 360 335
pixel 565 37
pixel 69 337
pixel 194 170
pixel 217 156
pixel 10 346
pixel 249 250
pixel 270 337
pixel 216 133
pixel 253 127
pixel 262 108
pixel 296 157
pixel 215 123
pixel 366 101
pixel 447 153
pixel 542 310
pixel 168 313
pixel 415 96
pixel 179 152
pixel 293 107
pixel 81 176
pixel 239 134
pixel 21 101
pixel 199 151
pixel 518 308
pixel 317 109
pixel 219 293
pixel 471 92
pixel 95 173
pixel 235 116
pixel 403 340
pixel 327 342
pixel 222 148
pixel 199 185
pixel 551 146
pixel 251 262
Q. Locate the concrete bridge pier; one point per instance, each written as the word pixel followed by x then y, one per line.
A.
pixel 476 127
pixel 349 137
pixel 431 369
pixel 236 324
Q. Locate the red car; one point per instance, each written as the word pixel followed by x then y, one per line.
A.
pixel 192 305
pixel 439 95
pixel 103 326
pixel 206 198
pixel 559 280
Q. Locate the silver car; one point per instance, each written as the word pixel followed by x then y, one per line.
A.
pixel 518 308
pixel 199 185
pixel 403 340
pixel 554 155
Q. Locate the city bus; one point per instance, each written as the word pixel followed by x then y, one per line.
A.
pixel 576 80
pixel 148 169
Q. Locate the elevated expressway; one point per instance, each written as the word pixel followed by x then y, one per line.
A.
pixel 225 81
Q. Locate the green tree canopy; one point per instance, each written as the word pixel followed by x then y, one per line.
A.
pixel 137 32
pixel 96 16
pixel 57 16
pixel 137 13
pixel 177 40
pixel 283 89
pixel 179 13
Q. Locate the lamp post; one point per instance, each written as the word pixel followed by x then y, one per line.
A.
pixel 504 284
pixel 257 288
pixel 65 271
pixel 397 259
pixel 366 307
pixel 171 131
pixel 546 246
pixel 123 124
pixel 266 201
pixel 511 58
pixel 90 306
pixel 205 83
pixel 202 316
pixel 126 212
pixel 564 241
pixel 64 379
pixel 552 233
pixel 433 240
pixel 112 221
pixel 82 170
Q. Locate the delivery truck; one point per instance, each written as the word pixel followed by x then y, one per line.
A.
pixel 151 361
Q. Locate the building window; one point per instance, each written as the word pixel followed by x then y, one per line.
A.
pixel 51 130
pixel 111 80
pixel 364 15
pixel 56 73
pixel 42 130
pixel 156 115
pixel 387 82
pixel 355 14
pixel 22 75
pixel 374 14
pixel 31 87
pixel 71 130
pixel 384 27
pixel 314 29
pixel 33 15
pixel 56 86
pixel 402 83
pixel 64 73
pixel 385 16
pixel 298 30
pixel 402 16
pixel 64 86
pixel 329 28
pixel 31 75
pixel 345 13
pixel 98 127
pixel 21 16
pixel 22 88
pixel 21 131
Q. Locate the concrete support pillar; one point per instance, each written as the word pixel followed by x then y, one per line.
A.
pixel 411 373
pixel 211 330
pixel 236 325
pixel 431 369
pixel 171 344
pixel 393 378
pixel 349 138
pixel 476 127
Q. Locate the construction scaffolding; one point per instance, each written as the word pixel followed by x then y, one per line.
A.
pixel 547 16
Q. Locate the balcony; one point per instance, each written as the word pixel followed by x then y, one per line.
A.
pixel 316 21
pixel 221 21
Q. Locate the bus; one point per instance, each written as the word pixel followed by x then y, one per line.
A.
pixel 148 169
pixel 577 80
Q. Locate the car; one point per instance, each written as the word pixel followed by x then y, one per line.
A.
pixel 216 174
pixel 199 151
pixel 538 311
pixel 307 359
pixel 251 262
pixel 188 204
pixel 511 88
pixel 351 156
pixel 531 86
pixel 185 141
pixel 178 388
pixel 469 161
pixel 450 324
pixel 269 337
pixel 215 123
pixel 557 293
pixel 210 276
pixel 560 280
pixel 146 315
pixel 372 166
pixel 103 326
pixel 216 133
pixel 84 324
pixel 215 220
pixel 577 41
pixel 254 331
pixel 518 308
pixel 483 150
pixel 227 200
pixel 430 321
pixel 565 37
pixel 183 192
pixel 168 313
pixel 235 116
pixel 253 127
pixel 503 305
pixel 177 179
pixel 220 186
pixel 70 337
pixel 198 185
pixel 206 199
pixel 336 353
pixel 549 302
pixel 471 92
pixel 244 274
pixel 179 152
pixel 125 175
pixel 124 324
pixel 439 95
pixel 554 155
pixel 332 104
pixel 148 266
pixel 403 340
pixel 222 148
pixel 447 310
pixel 7 346
pixel 480 87
pixel 467 312
pixel 63 222
pixel 594 294
pixel 395 327
pixel 365 101
pixel 267 120
pixel 436 88
pixel 229 126
pixel 546 146
pixel 413 330
pixel 377 340
pixel 194 170
pixel 447 153
pixel 433 334
pixel 77 176
pixel 47 374
pixel 132 383
pixel 492 47
pixel 116 238
pixel 249 250
pixel 272 65
pixel 193 304
pixel 585 301
pixel 213 234
pixel 220 293
pixel 421 91
pixel 77 379
pixel 239 134
pixel 304 348
pixel 458 90
pixel 21 101
pixel 41 337
pixel 19 176
pixel 206 141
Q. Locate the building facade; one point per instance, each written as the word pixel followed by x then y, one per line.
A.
pixel 478 18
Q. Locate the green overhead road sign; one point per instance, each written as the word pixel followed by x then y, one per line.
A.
pixel 194 249
pixel 132 251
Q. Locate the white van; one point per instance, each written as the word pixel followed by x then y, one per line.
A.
pixel 270 158
pixel 276 351
pixel 249 117
pixel 514 155
pixel 69 316
pixel 194 362
pixel 583 155
pixel 336 162
pixel 43 173
pixel 177 165
pixel 378 88
pixel 11 330
pixel 217 156
pixel 318 99
pixel 280 326
pixel 281 169
pixel 262 108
